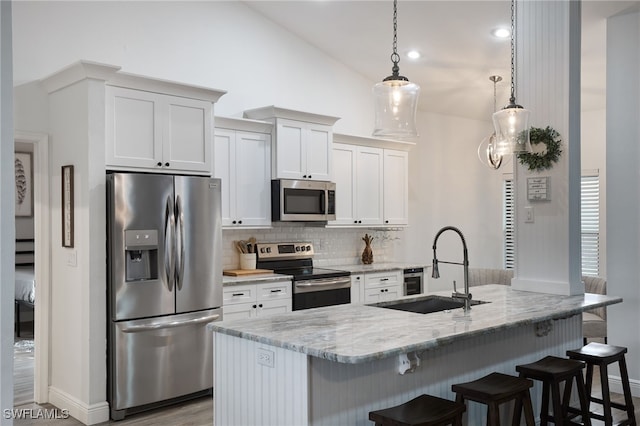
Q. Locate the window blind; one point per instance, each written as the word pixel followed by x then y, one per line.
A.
pixel 590 224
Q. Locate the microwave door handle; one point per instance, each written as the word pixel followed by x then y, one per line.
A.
pixel 179 243
pixel 323 199
pixel 169 243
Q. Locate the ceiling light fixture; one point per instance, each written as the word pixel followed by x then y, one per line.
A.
pixel 501 33
pixel 413 54
pixel 488 148
pixel 512 122
pixel 396 98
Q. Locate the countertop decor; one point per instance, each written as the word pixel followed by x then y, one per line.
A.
pixel 367 253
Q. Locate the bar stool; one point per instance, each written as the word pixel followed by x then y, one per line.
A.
pixel 603 355
pixel 495 389
pixel 425 410
pixel 552 371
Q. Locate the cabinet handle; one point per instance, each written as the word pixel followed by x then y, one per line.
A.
pixel 386 221
pixel 358 278
pixel 234 222
pixel 305 176
pixel 254 306
pixel 309 176
pixel 276 291
pixel 359 221
pixel 260 305
pixel 239 222
pixel 238 294
pixel 381 290
pixel 384 279
pixel 355 221
pixel 386 290
pixel 159 164
pixel 166 164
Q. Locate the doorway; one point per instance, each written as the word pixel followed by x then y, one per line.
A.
pixel 38 145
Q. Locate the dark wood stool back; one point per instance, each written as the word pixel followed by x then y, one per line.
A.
pixel 495 389
pixel 425 410
pixel 597 354
pixel 552 371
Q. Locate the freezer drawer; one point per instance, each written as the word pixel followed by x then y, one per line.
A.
pixel 157 359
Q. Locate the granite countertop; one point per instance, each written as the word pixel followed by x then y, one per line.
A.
pixel 257 278
pixel 379 267
pixel 360 333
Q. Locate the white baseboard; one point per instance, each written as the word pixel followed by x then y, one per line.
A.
pixel 615 385
pixel 87 414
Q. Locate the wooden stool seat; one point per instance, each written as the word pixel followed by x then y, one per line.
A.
pixel 495 389
pixel 552 371
pixel 425 410
pixel 603 355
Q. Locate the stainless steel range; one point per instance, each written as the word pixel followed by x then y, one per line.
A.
pixel 312 287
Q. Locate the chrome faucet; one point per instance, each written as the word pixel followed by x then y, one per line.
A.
pixel 466 296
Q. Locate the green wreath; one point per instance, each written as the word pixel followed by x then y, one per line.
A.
pixel 542 160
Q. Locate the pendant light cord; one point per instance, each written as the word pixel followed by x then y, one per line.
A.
pixel 395 58
pixel 512 100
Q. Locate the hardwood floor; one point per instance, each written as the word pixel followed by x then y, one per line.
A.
pixel 198 412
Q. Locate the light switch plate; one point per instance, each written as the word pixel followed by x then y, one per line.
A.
pixel 528 215
pixel 72 258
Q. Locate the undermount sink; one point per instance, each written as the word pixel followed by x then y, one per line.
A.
pixel 426 305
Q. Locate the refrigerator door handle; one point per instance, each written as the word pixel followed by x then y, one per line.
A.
pixel 172 324
pixel 169 230
pixel 179 243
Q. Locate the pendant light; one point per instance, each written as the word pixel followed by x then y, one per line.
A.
pixel 512 122
pixel 396 98
pixel 488 148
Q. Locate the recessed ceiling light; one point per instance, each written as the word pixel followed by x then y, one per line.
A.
pixel 501 32
pixel 413 54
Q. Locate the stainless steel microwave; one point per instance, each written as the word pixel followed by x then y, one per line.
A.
pixel 303 200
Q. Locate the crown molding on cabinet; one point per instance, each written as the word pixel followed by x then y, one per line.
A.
pixel 270 112
pixel 111 75
pixel 373 142
pixel 244 124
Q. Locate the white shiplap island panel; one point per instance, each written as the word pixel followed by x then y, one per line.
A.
pixel 331 366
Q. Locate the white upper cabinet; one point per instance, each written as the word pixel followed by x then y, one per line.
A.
pixel 302 143
pixel 372 184
pixel 396 187
pixel 146 130
pixel 242 160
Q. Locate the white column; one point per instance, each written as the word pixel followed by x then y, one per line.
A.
pixel 548 84
pixel 7 208
pixel 623 185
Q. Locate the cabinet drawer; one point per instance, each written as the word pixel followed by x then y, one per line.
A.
pixel 386 278
pixel 272 291
pixel 239 294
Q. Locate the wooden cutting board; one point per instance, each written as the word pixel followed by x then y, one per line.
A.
pixel 242 272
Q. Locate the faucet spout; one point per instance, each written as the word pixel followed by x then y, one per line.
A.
pixel 466 296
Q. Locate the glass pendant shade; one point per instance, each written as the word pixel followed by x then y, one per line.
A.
pixel 512 130
pixel 396 104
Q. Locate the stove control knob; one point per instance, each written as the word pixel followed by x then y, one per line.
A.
pixel 262 250
pixel 297 248
pixel 308 248
pixel 268 249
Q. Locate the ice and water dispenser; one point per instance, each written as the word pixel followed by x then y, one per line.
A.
pixel 141 253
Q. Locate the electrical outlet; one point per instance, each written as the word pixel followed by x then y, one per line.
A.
pixel 528 218
pixel 72 258
pixel 266 357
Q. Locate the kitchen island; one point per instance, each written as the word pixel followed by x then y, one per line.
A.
pixel 331 366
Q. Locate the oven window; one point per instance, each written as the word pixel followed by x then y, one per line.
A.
pixel 317 299
pixel 303 201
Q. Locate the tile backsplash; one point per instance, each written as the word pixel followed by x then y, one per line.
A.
pixel 333 246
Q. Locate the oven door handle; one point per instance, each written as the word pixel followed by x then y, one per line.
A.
pixel 322 284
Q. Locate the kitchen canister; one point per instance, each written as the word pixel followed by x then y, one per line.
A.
pixel 247 261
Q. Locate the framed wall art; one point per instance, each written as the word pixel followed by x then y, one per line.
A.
pixel 24 184
pixel 67 206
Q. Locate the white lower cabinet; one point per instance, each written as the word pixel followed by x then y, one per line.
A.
pixel 256 300
pixel 382 286
pixel 357 288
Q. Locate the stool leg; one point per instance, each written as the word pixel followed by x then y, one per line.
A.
pixel 517 411
pixel 558 417
pixel 528 410
pixel 567 395
pixel 628 401
pixel 589 383
pixel 493 414
pixel 544 410
pixel 584 401
pixel 606 396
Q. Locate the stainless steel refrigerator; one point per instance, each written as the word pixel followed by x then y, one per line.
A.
pixel 164 286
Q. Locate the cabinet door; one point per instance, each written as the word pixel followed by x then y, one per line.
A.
pixel 373 295
pixel 289 153
pixel 253 179
pixel 133 128
pixel 369 185
pixel 187 134
pixel 272 307
pixel 239 311
pixel 318 153
pixel 392 292
pixel 344 176
pixel 396 187
pixel 357 288
pixel 224 168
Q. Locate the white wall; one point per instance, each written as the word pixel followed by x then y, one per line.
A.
pixel 623 185
pixel 227 46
